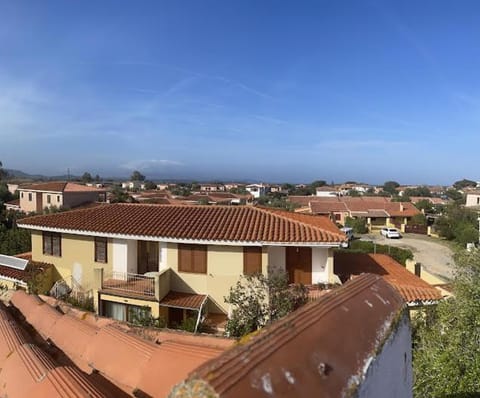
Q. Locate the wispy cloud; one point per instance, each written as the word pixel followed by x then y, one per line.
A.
pixel 222 79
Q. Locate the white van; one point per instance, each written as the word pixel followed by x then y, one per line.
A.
pixel 349 232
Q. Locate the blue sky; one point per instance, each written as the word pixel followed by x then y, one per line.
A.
pixel 265 90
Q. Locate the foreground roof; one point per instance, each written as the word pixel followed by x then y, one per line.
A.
pixel 309 353
pixel 133 364
pixel 411 287
pixel 28 371
pixel 203 223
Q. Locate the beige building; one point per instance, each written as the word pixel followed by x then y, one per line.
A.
pixel 37 197
pixel 179 259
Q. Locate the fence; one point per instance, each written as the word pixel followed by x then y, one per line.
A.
pixel 132 283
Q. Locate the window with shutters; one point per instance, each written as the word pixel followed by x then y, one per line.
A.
pixel 101 250
pixel 192 258
pixel 252 260
pixel 52 244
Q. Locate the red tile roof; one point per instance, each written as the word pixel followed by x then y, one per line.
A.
pixel 27 371
pixel 311 352
pixel 183 300
pixel 217 223
pixel 131 363
pixel 372 206
pixel 411 287
pixel 59 186
pixel 327 207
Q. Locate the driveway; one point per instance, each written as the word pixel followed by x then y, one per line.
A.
pixel 436 257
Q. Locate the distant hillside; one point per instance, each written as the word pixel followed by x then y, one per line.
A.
pixel 25 176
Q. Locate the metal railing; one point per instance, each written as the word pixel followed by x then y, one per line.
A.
pixel 131 283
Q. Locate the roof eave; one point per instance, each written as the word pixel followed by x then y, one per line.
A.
pixel 179 240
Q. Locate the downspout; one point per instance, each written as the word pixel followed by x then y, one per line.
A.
pixel 200 313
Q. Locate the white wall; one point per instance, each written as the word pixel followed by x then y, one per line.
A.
pixel 472 200
pixel 162 252
pixel 390 373
pixel 320 267
pixel 276 258
pixel 119 255
pixel 124 255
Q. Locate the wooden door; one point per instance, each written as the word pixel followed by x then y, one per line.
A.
pixel 298 263
pixel 147 256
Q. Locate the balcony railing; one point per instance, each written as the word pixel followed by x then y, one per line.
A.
pixel 130 283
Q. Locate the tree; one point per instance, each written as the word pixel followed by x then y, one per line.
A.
pixel 455 195
pixel 87 177
pixel 458 223
pixel 118 195
pixel 425 205
pixel 464 183
pixel 423 191
pixel 3 172
pixel 359 225
pixel 97 178
pixel 390 187
pixel 318 183
pixel 258 300
pixel 150 185
pixel 446 349
pixel 137 176
pixel 353 193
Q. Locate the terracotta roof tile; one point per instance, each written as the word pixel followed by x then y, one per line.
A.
pixel 411 287
pixel 183 300
pixel 59 186
pixel 370 205
pixel 284 358
pixel 27 371
pixel 130 362
pixel 217 223
pixel 171 363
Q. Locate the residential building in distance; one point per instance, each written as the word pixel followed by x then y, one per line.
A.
pixel 377 211
pixel 326 191
pixel 473 199
pixel 257 190
pixel 36 197
pixel 179 259
pixel 212 188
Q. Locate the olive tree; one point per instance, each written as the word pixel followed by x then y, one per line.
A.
pixel 446 344
pixel 257 300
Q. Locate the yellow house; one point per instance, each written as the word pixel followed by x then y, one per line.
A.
pixel 176 259
pixel 36 197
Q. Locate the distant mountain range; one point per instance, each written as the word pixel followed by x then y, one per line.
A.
pixel 18 174
pixel 25 176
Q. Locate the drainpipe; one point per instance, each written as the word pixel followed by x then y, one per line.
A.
pixel 200 313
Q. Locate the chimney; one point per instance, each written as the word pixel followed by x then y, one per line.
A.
pixel 401 206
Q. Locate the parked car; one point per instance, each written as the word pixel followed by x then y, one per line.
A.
pixel 349 232
pixel 390 232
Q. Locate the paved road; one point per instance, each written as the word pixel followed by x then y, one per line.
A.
pixel 436 257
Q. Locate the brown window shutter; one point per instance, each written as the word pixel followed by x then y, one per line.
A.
pixel 252 260
pixel 184 258
pixel 199 259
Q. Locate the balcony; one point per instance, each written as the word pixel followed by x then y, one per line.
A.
pixel 152 286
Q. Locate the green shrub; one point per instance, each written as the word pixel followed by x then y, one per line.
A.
pixel 398 254
pixel 359 225
pixel 188 324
